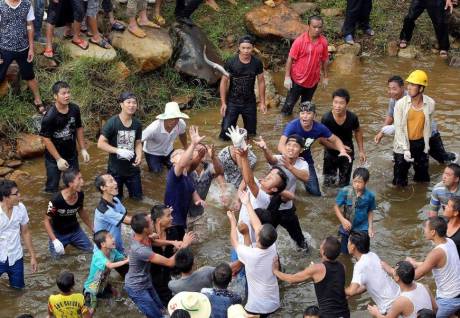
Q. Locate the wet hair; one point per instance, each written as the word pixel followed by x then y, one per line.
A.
pixel 157 211
pixel 69 176
pixel 438 224
pixel 307 106
pixel 362 173
pixel 343 93
pixel 222 275
pixel 184 260
pixel 361 240
pixel 99 182
pixel 180 313
pixel 405 271
pixel 311 311
pixel 58 86
pixel 455 168
pixel 139 223
pixel 456 201
pixel 282 186
pixel 315 17
pixel 426 313
pixel 246 39
pixel 99 237
pixel 396 79
pixel 267 236
pixel 264 215
pixel 25 316
pixel 65 282
pixel 5 188
pixel 331 247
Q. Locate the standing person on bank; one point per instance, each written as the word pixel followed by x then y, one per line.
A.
pixel 239 98
pixel 358 13
pixel 412 119
pixel 307 59
pixel 61 129
pixel 121 138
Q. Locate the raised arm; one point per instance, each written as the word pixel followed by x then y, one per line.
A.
pixel 253 218
pixel 218 167
pixel 248 176
pixel 431 261
pixel 267 153
pixel 282 144
pixel 186 157
pixel 233 229
pixel 299 277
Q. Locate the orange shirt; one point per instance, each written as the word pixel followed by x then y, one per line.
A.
pixel 415 124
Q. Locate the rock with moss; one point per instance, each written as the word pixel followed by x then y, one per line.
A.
pixel 410 52
pixel 94 51
pixel 29 146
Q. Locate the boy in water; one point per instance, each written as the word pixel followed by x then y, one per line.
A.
pixel 105 257
pixel 358 203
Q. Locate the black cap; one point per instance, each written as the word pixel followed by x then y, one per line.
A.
pixel 307 107
pixel 298 139
pixel 126 95
pixel 246 39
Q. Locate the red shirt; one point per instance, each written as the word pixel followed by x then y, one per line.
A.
pixel 306 59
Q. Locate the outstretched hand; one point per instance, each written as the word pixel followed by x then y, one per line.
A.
pixel 237 135
pixel 195 136
pixel 261 143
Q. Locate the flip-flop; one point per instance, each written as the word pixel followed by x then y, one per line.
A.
pixel 48 53
pixel 137 32
pixel 149 24
pixel 402 44
pixel 443 53
pixel 118 26
pixel 160 20
pixel 103 43
pixel 81 44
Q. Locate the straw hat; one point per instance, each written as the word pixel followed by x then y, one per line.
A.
pixel 237 311
pixel 172 111
pixel 196 304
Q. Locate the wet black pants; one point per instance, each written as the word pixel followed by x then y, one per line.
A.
pixel 437 150
pixel 249 114
pixel 420 164
pixel 290 221
pixel 305 94
pixel 435 9
pixel 358 13
pixel 333 163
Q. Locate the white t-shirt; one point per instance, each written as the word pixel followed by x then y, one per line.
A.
pixel 260 202
pixel 300 164
pixel 263 290
pixel 10 234
pixel 157 141
pixel 368 272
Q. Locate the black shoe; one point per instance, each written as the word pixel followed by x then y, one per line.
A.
pixel 117 26
pixel 185 20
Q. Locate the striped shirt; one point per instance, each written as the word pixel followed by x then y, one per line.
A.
pixel 440 195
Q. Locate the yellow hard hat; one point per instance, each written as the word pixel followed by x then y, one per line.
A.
pixel 418 77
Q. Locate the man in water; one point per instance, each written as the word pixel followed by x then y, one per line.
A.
pixel 446 189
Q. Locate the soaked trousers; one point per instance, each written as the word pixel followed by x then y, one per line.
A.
pixel 420 164
pixel 358 13
pixel 290 221
pixel 331 165
pixel 435 9
pixel 249 114
pixel 305 94
pixel 437 150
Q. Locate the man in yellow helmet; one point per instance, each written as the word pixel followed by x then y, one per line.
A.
pixel 412 119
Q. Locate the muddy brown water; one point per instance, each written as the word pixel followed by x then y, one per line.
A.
pixel 398 217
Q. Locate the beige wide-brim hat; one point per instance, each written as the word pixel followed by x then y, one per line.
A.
pixel 237 311
pixel 196 304
pixel 172 110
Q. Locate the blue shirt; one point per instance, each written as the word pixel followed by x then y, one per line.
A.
pixel 109 216
pixel 98 271
pixel 364 204
pixel 220 300
pixel 178 195
pixel 318 130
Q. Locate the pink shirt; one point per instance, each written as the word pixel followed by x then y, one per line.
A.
pixel 306 59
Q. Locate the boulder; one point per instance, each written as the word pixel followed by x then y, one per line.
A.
pixel 190 42
pixel 13 163
pixel 352 49
pixel 303 7
pixel 272 99
pixel 185 101
pixel 5 170
pixel 332 12
pixel 18 175
pixel 122 71
pixel 345 64
pixel 281 22
pixel 150 52
pixel 94 51
pixel 453 21
pixel 410 52
pixel 392 48
pixel 454 61
pixel 29 146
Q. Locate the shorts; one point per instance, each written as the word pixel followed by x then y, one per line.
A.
pixel 64 12
pixel 199 226
pixel 92 8
pixel 15 273
pixel 26 69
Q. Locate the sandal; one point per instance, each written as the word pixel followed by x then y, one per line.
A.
pixel 137 32
pixel 402 44
pixel 160 20
pixel 443 54
pixel 118 26
pixel 103 43
pixel 82 44
pixel 48 53
pixel 38 106
pixel 149 24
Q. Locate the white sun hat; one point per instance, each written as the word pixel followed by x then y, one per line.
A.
pixel 196 304
pixel 237 311
pixel 172 110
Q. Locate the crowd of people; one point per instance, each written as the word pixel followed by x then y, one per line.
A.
pixel 158 264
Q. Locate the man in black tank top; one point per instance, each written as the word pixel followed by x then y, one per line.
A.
pixel 328 278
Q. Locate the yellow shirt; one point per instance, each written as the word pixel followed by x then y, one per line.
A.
pixel 67 306
pixel 415 123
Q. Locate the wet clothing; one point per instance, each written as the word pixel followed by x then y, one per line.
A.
pixel 332 161
pixel 10 234
pixel 199 279
pixel 447 278
pixel 109 216
pixel 419 297
pixel 241 99
pixel 232 173
pixel 61 13
pixel 220 300
pixel 415 121
pixel 67 306
pixel 330 292
pixel 305 94
pixel 357 14
pixel 456 238
pixel 420 165
pixel 201 183
pixel 63 215
pixel 161 275
pixel 356 209
pixel 15 272
pixel 158 141
pixel 437 14
pixel 440 195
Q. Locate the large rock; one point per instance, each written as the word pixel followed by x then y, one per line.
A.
pixel 392 48
pixel 94 51
pixel 150 52
pixel 352 49
pixel 272 99
pixel 13 163
pixel 410 52
pixel 189 52
pixel 332 12
pixel 453 20
pixel 303 7
pixel 345 64
pixel 29 146
pixel 281 22
pixel 5 170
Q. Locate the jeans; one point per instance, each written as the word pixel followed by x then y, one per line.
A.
pixel 333 163
pixel 15 273
pixel 39 10
pixel 305 94
pixel 435 9
pixel 53 174
pixel 358 12
pixel 420 164
pixel 312 185
pixel 76 238
pixel 133 183
pixel 447 307
pixel 290 221
pixel 156 163
pixel 147 301
pixel 437 150
pixel 249 114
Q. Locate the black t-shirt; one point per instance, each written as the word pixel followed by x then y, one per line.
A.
pixel 242 80
pixel 64 216
pixel 344 131
pixel 120 136
pixel 456 239
pixel 62 130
